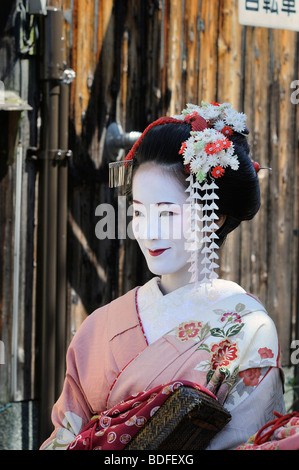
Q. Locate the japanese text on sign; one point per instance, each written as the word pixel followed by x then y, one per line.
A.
pixel 280 14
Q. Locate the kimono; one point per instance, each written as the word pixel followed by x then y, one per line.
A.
pixel 218 337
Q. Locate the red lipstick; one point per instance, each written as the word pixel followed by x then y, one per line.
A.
pixel 157 252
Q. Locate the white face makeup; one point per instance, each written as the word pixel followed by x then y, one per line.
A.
pixel 160 223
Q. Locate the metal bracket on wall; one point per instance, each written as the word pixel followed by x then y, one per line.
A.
pixel 57 156
pixel 68 76
pixel 60 156
pixel 116 139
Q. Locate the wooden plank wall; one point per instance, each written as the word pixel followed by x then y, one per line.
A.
pixel 148 58
pixel 134 61
pixel 17 75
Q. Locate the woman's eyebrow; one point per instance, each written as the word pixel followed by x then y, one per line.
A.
pixel 158 203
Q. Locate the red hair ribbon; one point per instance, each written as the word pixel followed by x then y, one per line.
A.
pixel 158 122
pixel 197 123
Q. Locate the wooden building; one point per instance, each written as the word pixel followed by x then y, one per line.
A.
pixel 133 61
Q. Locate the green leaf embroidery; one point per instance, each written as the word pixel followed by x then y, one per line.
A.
pixel 210 375
pixel 225 371
pixel 203 347
pixel 217 332
pixel 204 331
pixel 240 307
pixel 233 330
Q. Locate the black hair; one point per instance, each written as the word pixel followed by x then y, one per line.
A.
pixel 239 192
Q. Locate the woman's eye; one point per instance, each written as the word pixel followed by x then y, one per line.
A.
pixel 137 213
pixel 166 214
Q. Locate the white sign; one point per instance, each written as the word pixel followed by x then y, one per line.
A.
pixel 280 14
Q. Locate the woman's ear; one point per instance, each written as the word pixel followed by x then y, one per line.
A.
pixel 221 220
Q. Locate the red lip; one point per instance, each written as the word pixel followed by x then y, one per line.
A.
pixel 157 252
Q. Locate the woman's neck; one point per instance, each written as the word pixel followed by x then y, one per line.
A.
pixel 171 282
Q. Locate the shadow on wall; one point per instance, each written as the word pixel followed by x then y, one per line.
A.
pixel 88 183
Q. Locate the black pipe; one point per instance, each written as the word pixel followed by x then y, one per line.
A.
pixel 51 75
pixel 62 209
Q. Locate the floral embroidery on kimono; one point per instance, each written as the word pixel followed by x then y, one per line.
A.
pixel 221 366
pixel 223 341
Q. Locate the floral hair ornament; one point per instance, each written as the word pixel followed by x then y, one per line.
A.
pixel 206 155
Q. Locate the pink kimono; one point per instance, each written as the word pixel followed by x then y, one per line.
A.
pixel 221 339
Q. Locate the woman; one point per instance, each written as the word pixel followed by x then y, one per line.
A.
pixel 192 184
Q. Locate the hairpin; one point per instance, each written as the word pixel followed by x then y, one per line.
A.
pixel 257 167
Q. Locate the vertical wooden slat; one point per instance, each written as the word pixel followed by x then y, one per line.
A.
pixel 229 55
pixel 257 84
pixel 174 56
pixel 154 95
pixel 6 275
pixel 208 69
pixel 84 58
pixel 190 51
pixel 164 53
pixel 282 186
pixel 295 299
pixel 229 89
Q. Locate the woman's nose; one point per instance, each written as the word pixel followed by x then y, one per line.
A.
pixel 153 225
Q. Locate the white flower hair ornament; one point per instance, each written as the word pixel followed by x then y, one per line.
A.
pixel 207 153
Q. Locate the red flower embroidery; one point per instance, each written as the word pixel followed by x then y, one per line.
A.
pixel 223 353
pixel 218 171
pixel 188 330
pixel 235 317
pixel 215 104
pixel 250 376
pixel 265 352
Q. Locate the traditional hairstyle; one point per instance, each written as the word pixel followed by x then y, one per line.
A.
pixel 206 148
pixel 238 190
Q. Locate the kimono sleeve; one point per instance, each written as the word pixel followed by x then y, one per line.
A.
pixel 86 383
pixel 252 413
pixel 260 344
